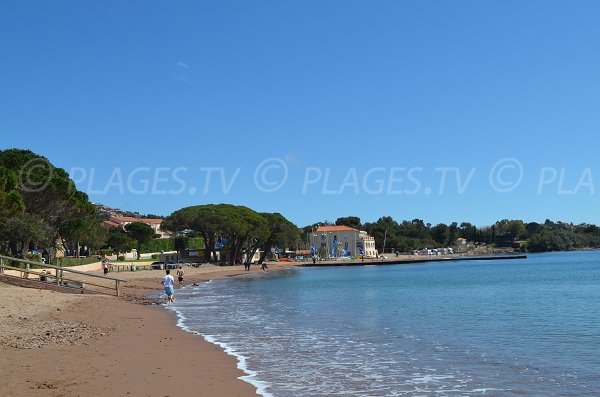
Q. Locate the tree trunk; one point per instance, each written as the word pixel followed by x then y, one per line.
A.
pixel 23 250
pixel 235 249
pixel 233 252
pixel 263 256
pixel 206 247
pixel 250 253
pixel 14 249
pixel 209 247
pixel 266 249
pixel 213 249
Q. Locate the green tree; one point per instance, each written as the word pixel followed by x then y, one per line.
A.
pixel 120 242
pixel 46 191
pixel 11 201
pixel 282 232
pixel 95 237
pixel 454 232
pixel 204 219
pixel 467 231
pixel 441 234
pixel 24 230
pixel 141 233
pixel 244 229
pixel 385 230
pixel 350 221
pixel 240 226
pixel 84 232
pixel 11 205
pixel 510 230
pixel 534 228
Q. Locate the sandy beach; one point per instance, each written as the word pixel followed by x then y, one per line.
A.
pixel 56 344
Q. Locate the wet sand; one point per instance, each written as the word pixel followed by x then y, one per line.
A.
pixel 55 344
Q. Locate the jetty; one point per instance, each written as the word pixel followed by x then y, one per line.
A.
pixel 412 260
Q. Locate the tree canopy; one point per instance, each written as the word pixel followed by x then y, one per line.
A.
pixel 350 221
pixel 47 202
pixel 120 242
pixel 238 229
pixel 141 233
pixel 281 233
pixel 40 206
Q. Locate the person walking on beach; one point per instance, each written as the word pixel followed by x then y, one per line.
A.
pixel 168 281
pixel 180 275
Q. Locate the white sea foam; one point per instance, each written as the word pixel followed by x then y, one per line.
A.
pixel 485 390
pixel 427 379
pixel 288 343
pixel 250 377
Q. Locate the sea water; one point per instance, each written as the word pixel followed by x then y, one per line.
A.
pixel 526 327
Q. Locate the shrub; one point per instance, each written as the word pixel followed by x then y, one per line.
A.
pixel 66 262
pixel 157 245
pixel 34 257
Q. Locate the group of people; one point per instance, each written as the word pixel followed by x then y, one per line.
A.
pixel 168 283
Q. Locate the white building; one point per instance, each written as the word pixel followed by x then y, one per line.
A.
pixel 368 243
pixel 337 241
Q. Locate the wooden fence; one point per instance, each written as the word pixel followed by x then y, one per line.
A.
pixel 84 280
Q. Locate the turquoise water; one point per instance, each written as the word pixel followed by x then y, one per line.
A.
pixel 499 328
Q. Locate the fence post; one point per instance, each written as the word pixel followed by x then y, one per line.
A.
pixel 1 266
pixel 118 287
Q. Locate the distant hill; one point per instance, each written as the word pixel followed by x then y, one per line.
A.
pixel 104 212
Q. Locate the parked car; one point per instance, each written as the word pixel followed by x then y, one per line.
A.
pixel 157 265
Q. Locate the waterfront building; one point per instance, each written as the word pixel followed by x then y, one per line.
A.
pixel 339 241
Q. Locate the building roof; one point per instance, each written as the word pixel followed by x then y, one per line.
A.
pixel 110 224
pixel 123 219
pixel 335 229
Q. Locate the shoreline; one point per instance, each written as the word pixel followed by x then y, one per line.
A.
pixel 123 346
pixel 411 260
pixel 103 345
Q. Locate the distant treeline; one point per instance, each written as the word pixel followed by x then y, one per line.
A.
pixel 42 210
pixel 416 234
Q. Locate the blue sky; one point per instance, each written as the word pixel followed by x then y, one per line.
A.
pixel 439 110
